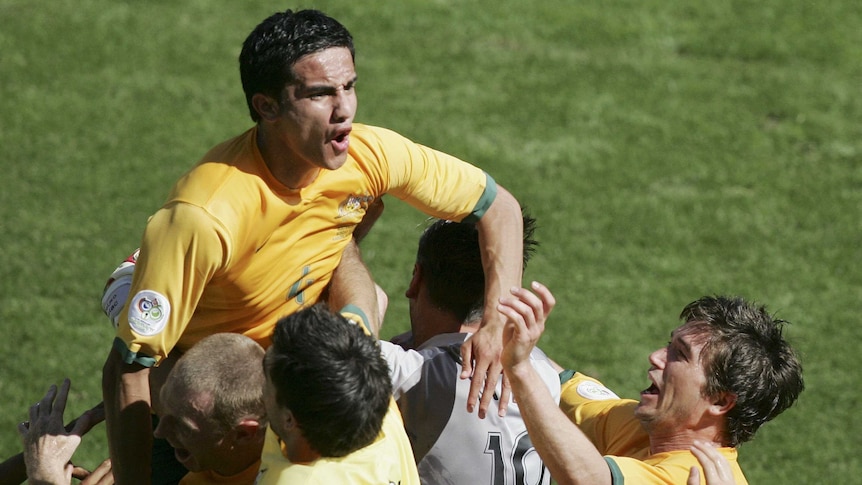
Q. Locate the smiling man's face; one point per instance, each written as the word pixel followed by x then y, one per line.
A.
pixel 675 400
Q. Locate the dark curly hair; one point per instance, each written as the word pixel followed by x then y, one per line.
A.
pixel 745 354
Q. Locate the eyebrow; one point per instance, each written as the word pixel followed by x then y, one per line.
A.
pixel 686 347
pixel 322 87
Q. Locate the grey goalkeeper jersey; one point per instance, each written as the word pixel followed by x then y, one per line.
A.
pixel 452 446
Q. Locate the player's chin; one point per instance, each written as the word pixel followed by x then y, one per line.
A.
pixel 644 410
pixel 334 162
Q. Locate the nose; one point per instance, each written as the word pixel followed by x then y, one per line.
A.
pixel 344 107
pixel 658 358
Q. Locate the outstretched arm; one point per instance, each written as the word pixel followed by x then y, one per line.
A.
pixel 501 241
pixel 565 450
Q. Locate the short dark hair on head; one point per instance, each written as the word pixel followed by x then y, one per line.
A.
pixel 744 353
pixel 273 47
pixel 451 265
pixel 332 377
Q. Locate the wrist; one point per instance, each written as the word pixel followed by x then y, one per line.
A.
pixel 46 476
pixel 520 372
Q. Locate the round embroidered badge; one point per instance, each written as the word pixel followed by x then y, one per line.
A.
pixel 149 312
pixel 595 391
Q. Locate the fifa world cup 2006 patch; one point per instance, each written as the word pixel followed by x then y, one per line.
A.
pixel 149 312
pixel 595 391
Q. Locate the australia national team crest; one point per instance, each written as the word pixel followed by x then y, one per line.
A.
pixel 354 206
pixel 149 312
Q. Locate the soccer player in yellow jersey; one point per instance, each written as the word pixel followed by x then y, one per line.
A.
pixel 329 402
pixel 254 230
pixel 726 371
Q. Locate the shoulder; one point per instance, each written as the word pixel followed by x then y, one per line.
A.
pixel 373 134
pixel 372 144
pixel 226 171
pixel 664 468
pixel 578 388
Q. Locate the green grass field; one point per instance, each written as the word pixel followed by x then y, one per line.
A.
pixel 668 149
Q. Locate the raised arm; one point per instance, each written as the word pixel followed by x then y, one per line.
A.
pixel 352 285
pixel 126 393
pixel 501 240
pixel 565 450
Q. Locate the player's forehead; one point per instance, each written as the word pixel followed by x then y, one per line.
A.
pixel 333 65
pixel 690 335
pixel 691 331
pixel 182 402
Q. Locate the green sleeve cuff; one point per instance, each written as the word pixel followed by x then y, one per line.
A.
pixel 130 357
pixel 617 477
pixel 355 315
pixel 484 202
pixel 566 375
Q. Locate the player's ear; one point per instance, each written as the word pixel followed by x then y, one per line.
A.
pixel 413 288
pixel 248 429
pixel 722 403
pixel 267 107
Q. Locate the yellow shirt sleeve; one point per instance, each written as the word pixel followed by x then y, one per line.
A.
pixel 434 182
pixel 604 418
pixel 191 247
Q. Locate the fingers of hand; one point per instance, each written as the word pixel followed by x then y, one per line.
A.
pixel 493 375
pixel 101 475
pixel 505 395
pixel 24 428
pixel 43 407
pixel 80 473
pixel 714 465
pixel 545 295
pixel 63 393
pixel 693 476
pixel 467 360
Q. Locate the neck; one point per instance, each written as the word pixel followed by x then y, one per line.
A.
pixel 660 442
pixel 282 163
pixel 298 450
pixel 239 462
pixel 433 321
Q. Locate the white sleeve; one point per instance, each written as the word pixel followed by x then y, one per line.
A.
pixel 405 367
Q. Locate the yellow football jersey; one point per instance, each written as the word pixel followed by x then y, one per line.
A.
pixel 388 460
pixel 609 422
pixel 234 250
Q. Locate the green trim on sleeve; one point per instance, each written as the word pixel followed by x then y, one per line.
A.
pixel 484 202
pixel 566 375
pixel 617 477
pixel 129 356
pixel 350 311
